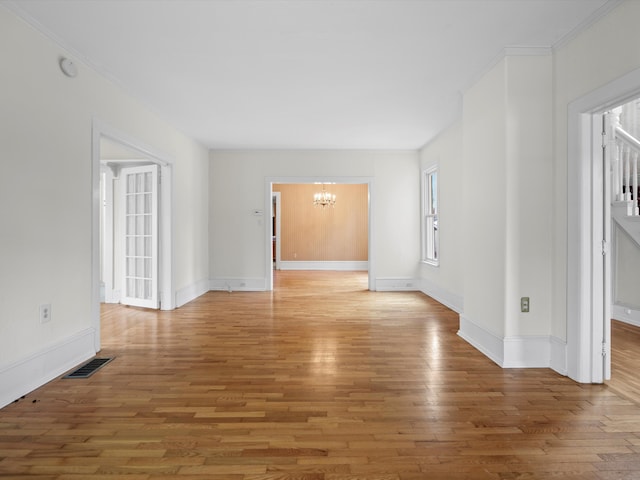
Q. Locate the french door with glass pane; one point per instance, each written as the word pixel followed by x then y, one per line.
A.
pixel 140 204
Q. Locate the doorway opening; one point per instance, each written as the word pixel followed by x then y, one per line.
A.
pixel 129 240
pixel 589 231
pixel 314 245
pixel 622 155
pixel 132 243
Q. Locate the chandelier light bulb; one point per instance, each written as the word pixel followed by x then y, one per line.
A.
pixel 324 198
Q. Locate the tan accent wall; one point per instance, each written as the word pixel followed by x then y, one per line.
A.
pixel 310 233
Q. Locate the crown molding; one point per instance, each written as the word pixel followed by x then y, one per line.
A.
pixel 522 50
pixel 588 22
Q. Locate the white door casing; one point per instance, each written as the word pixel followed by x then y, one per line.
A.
pixel 106 236
pixel 276 205
pixel 608 145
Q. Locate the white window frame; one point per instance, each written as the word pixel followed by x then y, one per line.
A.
pixel 430 236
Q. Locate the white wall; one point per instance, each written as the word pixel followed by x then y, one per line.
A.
pixel 46 203
pixel 507 208
pixel 529 194
pixel 627 268
pixel 484 200
pixel 515 177
pixel 191 218
pixel 445 282
pixel 602 53
pixel 237 186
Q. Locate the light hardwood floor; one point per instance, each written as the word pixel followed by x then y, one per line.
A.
pixel 625 360
pixel 319 380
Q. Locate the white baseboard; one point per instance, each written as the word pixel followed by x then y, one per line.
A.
pixel 558 355
pixel 486 342
pixel 396 284
pixel 238 284
pixel 334 265
pixel 26 375
pixel 531 351
pixel 626 315
pixel 527 352
pixel 185 295
pixel 111 296
pixel 451 300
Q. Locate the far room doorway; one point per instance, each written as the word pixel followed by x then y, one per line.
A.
pixel 116 260
pixel 306 235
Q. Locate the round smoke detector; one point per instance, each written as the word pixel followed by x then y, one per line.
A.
pixel 68 67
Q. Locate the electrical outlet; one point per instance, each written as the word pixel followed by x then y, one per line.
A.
pixel 524 304
pixel 45 313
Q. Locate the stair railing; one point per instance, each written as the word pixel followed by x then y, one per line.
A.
pixel 624 162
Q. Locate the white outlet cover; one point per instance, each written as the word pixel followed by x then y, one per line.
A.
pixel 45 313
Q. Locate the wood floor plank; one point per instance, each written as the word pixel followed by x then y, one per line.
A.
pixel 319 380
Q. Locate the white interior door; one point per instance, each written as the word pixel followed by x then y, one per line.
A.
pixel 608 153
pixel 603 145
pixel 140 236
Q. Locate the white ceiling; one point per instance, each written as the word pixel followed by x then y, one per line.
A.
pixel 372 74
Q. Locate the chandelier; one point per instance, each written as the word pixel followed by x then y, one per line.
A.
pixel 323 198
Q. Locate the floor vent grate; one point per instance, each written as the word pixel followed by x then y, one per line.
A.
pixel 89 368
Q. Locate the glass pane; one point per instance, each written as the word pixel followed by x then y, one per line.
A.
pixel 147 247
pixel 147 268
pixel 436 243
pixel 140 203
pixel 429 240
pixel 131 204
pixel 147 182
pixel 140 246
pixel 139 267
pixel 147 289
pixel 139 182
pixel 131 225
pixel 131 246
pixel 140 224
pixel 434 192
pixel 131 183
pixel 131 267
pixel 131 287
pixel 147 203
pixel 147 224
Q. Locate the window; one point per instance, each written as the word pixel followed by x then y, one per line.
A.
pixel 430 243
